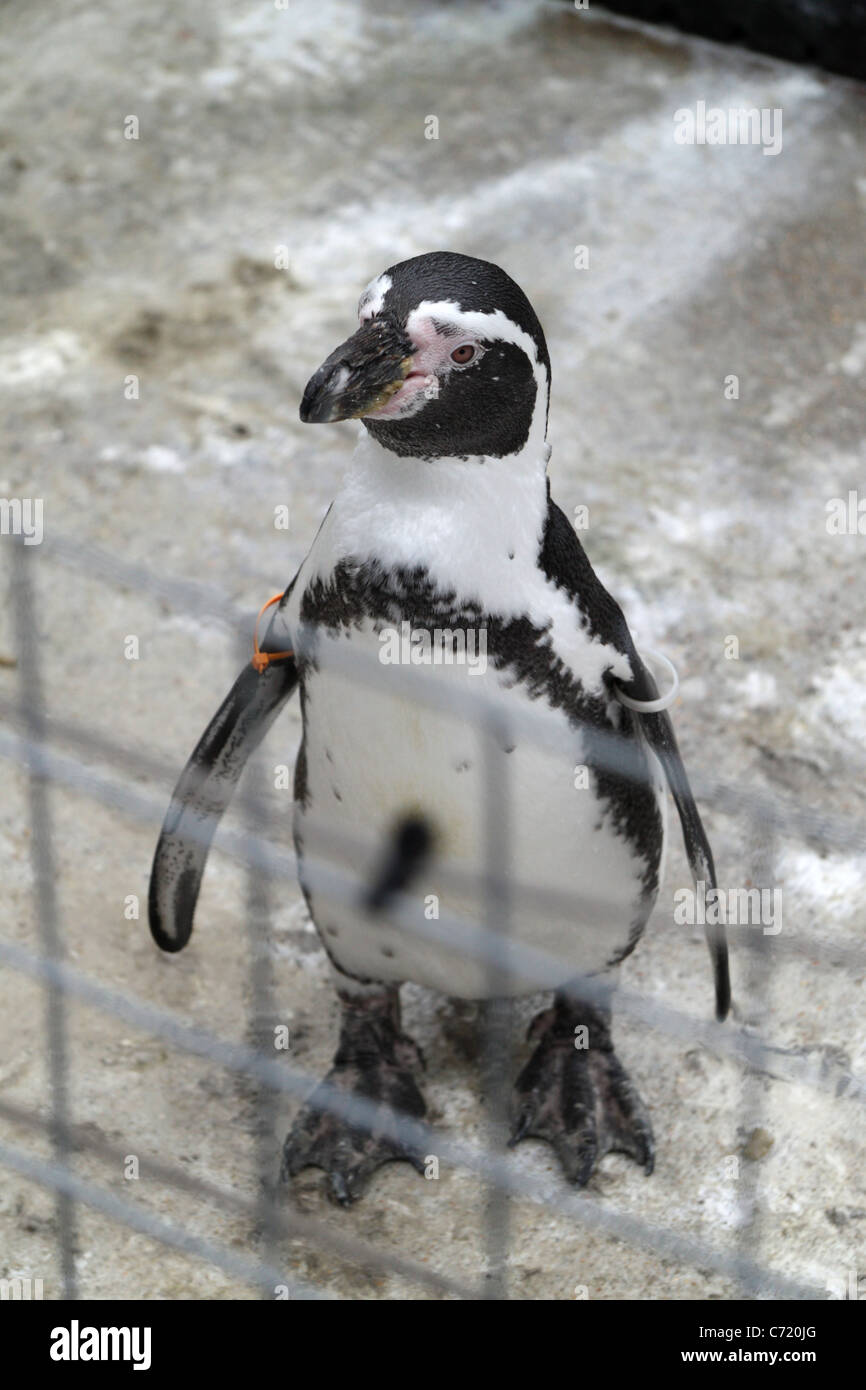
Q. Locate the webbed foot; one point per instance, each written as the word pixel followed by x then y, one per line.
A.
pixel 378 1063
pixel 574 1093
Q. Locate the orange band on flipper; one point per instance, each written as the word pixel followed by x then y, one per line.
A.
pixel 260 659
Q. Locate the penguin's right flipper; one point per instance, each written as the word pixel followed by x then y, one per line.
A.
pixel 203 792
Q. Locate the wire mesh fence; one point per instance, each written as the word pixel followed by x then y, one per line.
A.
pixel 31 740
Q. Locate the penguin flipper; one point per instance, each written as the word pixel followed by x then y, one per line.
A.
pixel 203 792
pixel 659 733
pixel 564 561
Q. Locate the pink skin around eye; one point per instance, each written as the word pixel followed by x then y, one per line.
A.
pixel 430 361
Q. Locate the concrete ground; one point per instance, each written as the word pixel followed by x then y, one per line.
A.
pixel 298 136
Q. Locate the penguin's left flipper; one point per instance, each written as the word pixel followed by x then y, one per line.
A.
pixel 565 563
pixel 659 734
pixel 203 792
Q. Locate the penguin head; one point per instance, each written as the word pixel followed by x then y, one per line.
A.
pixel 449 360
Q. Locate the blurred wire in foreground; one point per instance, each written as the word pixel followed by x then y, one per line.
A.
pixel 399 861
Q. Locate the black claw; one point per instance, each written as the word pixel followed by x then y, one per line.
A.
pixel 520 1129
pixel 341 1190
pixel 417 1162
pixel 585 1169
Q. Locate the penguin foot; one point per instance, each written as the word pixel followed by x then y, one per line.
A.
pixel 375 1062
pixel 574 1093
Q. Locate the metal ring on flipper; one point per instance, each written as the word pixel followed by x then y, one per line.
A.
pixel 664 701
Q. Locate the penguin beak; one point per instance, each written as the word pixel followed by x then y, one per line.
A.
pixel 360 376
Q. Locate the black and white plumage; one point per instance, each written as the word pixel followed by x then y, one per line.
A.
pixel 445 522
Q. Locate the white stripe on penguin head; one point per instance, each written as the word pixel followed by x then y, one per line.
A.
pixel 495 327
pixel 373 298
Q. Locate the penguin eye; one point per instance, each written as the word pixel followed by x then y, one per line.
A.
pixel 463 354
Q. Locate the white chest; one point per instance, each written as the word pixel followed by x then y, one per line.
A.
pixel 375 752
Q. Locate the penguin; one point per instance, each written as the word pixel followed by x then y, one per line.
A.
pixel 444 538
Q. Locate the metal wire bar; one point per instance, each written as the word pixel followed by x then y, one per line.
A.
pixel 201 600
pixel 544 728
pixel 276 861
pixel 546 972
pixel 497 1010
pixel 260 1016
pixel 45 877
pixel 752 1104
pixel 365 1114
pixel 543 970
pixel 207 602
pixel 61 1179
pixel 534 723
pixel 536 895
pixel 271 858
pixel 95 743
pixel 248 849
pixel 291 1226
